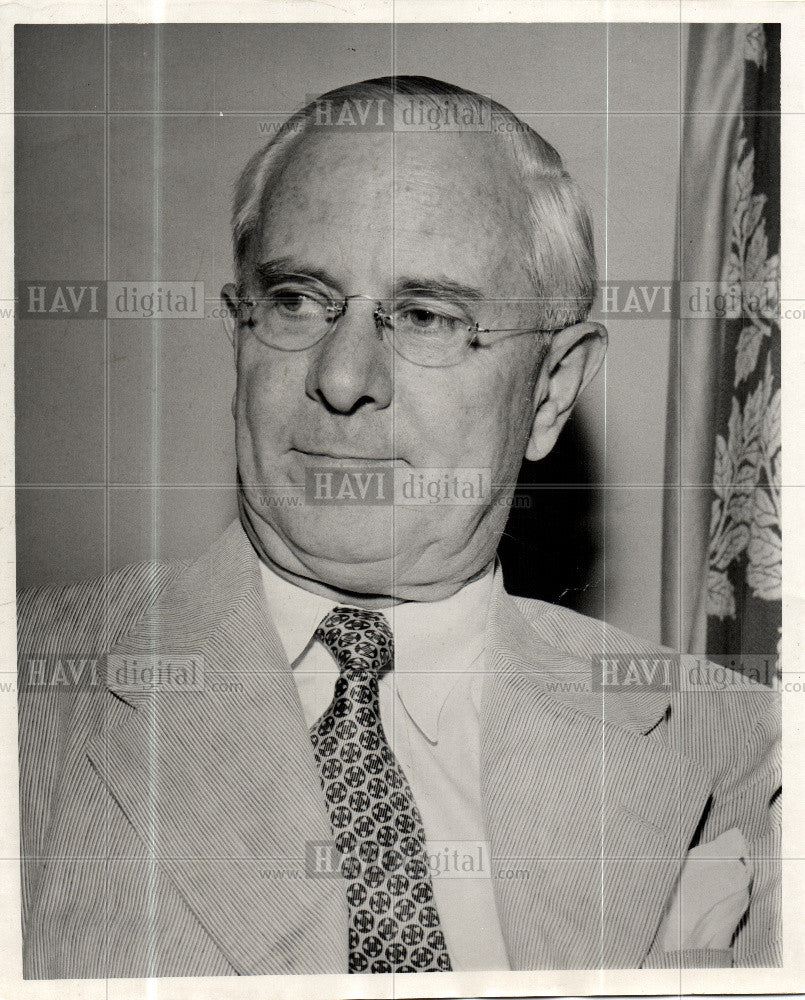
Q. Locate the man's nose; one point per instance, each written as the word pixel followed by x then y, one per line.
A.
pixel 352 368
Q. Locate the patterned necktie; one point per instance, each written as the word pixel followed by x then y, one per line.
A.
pixel 394 924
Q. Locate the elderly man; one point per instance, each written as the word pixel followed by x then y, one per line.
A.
pixel 391 765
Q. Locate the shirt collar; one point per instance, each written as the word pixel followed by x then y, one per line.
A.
pixel 296 612
pixel 436 643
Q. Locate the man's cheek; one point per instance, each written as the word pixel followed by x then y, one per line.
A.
pixel 261 365
pixel 454 420
pixel 268 403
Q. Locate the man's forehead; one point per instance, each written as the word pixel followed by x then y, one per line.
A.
pixel 451 199
pixel 461 167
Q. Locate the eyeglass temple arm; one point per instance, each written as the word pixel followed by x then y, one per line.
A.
pixel 476 330
pixel 514 332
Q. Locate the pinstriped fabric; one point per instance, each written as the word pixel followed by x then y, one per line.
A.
pixel 694 958
pixel 221 752
pixel 72 877
pixel 747 796
pixel 596 885
pixel 243 752
pixel 81 620
pixel 151 823
pixel 736 728
pixel 716 766
pixel 219 800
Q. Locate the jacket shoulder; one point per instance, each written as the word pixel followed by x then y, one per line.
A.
pixel 63 633
pixel 584 637
pixel 89 616
pixel 578 634
pixel 718 706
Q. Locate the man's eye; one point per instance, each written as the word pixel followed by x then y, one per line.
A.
pixel 293 304
pixel 424 320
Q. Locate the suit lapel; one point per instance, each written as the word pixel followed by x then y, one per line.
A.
pixel 220 783
pixel 594 814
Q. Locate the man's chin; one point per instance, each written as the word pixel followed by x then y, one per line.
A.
pixel 352 548
pixel 372 551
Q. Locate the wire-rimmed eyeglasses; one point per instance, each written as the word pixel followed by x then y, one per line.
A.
pixel 297 311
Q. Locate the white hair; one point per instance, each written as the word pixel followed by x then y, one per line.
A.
pixel 561 258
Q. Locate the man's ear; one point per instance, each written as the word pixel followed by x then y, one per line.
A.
pixel 574 356
pixel 229 299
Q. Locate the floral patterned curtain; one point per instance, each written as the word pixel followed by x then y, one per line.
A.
pixel 744 609
pixel 728 603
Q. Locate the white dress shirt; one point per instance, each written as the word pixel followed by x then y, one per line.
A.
pixel 429 708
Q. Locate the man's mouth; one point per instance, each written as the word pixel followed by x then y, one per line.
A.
pixel 343 458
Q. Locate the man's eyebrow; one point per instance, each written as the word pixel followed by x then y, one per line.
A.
pixel 438 288
pixel 284 267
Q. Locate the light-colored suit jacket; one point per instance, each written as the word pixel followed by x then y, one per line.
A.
pixel 165 833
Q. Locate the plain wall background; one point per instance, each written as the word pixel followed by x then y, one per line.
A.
pixel 124 435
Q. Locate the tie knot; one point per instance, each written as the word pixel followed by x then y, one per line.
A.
pixel 358 639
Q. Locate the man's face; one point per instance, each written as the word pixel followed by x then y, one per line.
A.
pixel 368 213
